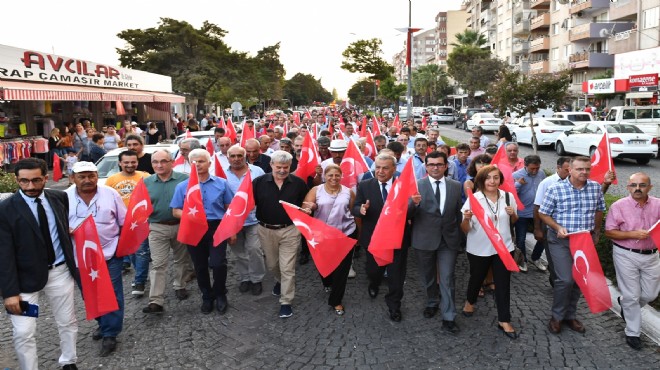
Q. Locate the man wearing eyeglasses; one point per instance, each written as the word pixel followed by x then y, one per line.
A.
pixel 36 255
pixel 108 210
pixel 635 254
pixel 163 230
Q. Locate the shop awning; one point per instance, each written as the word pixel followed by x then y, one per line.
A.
pixel 17 90
pixel 639 95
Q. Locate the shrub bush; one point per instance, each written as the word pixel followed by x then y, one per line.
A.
pixel 8 182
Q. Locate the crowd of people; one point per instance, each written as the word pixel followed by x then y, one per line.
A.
pixel 37 251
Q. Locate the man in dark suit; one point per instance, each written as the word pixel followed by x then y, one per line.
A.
pixel 36 254
pixel 369 201
pixel 436 237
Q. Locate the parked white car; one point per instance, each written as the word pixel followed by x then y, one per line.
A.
pixel 108 164
pixel 547 130
pixel 487 122
pixel 443 115
pixel 626 141
pixel 202 136
pixel 575 117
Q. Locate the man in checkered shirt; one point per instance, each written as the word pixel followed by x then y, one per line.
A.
pixel 570 205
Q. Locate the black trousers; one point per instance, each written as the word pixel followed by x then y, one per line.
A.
pixel 396 276
pixel 501 276
pixel 205 254
pixel 337 280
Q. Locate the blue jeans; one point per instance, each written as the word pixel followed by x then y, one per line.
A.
pixel 140 261
pixel 521 233
pixel 111 323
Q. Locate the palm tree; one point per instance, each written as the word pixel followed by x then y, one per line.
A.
pixel 429 80
pixel 470 38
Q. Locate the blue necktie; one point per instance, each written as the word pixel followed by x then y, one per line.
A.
pixel 384 191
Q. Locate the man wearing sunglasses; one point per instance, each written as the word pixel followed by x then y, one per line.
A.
pixel 36 255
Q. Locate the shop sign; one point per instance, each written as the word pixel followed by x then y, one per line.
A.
pixel 636 62
pixel 647 82
pixel 35 66
pixel 602 86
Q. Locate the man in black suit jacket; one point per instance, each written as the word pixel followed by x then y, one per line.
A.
pixel 369 202
pixel 436 237
pixel 36 254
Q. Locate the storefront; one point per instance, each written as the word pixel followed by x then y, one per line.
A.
pixel 643 89
pixel 640 70
pixel 39 91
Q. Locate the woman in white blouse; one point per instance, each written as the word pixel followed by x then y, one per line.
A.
pixel 480 251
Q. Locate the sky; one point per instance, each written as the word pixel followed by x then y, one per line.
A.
pixel 312 34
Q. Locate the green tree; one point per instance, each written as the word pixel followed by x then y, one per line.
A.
pixel 526 94
pixel 361 93
pixel 473 69
pixel 364 56
pixel 470 38
pixel 392 91
pixel 267 75
pixel 430 82
pixel 303 89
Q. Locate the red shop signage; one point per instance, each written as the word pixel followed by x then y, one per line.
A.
pixel 648 82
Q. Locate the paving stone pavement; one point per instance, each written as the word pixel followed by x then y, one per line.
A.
pixel 250 335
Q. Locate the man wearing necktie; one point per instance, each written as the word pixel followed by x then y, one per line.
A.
pixel 369 202
pixel 436 237
pixel 36 254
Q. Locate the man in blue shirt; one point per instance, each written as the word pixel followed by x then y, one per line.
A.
pixel 216 196
pixel 527 181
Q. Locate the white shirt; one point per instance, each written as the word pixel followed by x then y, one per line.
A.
pixel 224 161
pixel 443 190
pixel 478 243
pixel 186 167
pixel 388 187
pixel 108 211
pixel 543 187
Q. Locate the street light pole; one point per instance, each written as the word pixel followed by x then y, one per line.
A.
pixel 410 51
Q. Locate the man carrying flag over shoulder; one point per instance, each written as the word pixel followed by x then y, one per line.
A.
pixel 632 224
pixel 570 205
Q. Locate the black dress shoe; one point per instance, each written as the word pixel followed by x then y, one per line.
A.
pixel 221 304
pixel 153 308
pixel 108 346
pixel 450 327
pixel 70 367
pixel 256 288
pixel 244 286
pixel 97 334
pixel 634 342
pixel 395 315
pixel 373 291
pixel 304 258
pixel 207 307
pixel 429 312
pixel 510 334
pixel 181 294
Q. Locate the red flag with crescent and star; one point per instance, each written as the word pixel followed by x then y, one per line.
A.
pixel 218 170
pixel 654 233
pixel 352 165
pixel 238 211
pixel 363 128
pixel 222 124
pixel 588 273
pixel 57 168
pixel 248 133
pixel 209 147
pixel 388 234
pixel 370 146
pixel 502 162
pixel 396 123
pixel 309 159
pixel 375 126
pixel 136 227
pixel 328 246
pixel 491 232
pixel 98 293
pixel 601 161
pixel 193 224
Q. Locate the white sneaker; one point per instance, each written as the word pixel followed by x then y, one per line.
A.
pixel 539 265
pixel 351 273
pixel 523 267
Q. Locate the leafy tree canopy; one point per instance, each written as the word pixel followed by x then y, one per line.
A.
pixel 304 89
pixel 364 56
pixel 362 92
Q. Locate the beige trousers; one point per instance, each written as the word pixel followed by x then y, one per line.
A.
pixel 281 249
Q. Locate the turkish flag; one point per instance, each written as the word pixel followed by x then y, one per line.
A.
pixel 601 161
pixel 209 147
pixel 352 165
pixel 222 123
pixel 424 123
pixel 331 127
pixel 588 273
pixel 388 234
pixel 492 233
pixel 193 224
pixel 179 159
pixel 309 159
pixel 452 151
pixel 238 211
pixel 396 123
pixel 308 115
pixel 370 146
pixel 654 232
pixel 363 129
pixel 230 131
pixel 188 134
pixel 57 168
pixel 296 118
pixel 502 162
pixel 136 227
pixel 328 246
pixel 376 126
pixel 97 290
pixel 219 171
pixel 248 133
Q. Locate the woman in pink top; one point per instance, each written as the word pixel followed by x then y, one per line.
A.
pixel 331 203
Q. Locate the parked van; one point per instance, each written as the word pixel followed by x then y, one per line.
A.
pixel 575 117
pixel 646 117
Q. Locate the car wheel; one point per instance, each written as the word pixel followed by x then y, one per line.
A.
pixel 643 160
pixel 592 150
pixel 559 148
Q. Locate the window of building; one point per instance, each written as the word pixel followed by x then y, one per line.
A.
pixel 651 17
pixel 501 45
pixel 555 28
pixel 554 53
pixel 567 51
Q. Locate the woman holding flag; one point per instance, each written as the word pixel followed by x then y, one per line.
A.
pixel 494 211
pixel 331 203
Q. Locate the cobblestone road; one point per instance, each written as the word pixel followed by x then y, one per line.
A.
pixel 250 335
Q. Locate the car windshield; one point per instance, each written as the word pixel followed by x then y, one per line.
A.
pixel 560 122
pixel 623 129
pixel 107 166
pixel 579 117
pixel 445 111
pixel 486 115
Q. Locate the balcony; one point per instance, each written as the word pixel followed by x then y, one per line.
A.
pixel 520 6
pixel 522 66
pixel 588 59
pixel 624 10
pixel 521 28
pixel 623 42
pixel 540 4
pixel 541 66
pixel 597 30
pixel 540 44
pixel 521 47
pixel 584 7
pixel 540 22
